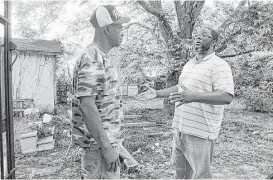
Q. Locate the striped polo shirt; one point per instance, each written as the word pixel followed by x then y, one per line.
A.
pixel 207 75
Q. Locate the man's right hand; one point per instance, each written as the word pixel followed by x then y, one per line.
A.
pixel 149 94
pixel 111 157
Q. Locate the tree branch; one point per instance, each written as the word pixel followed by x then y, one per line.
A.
pixel 43 27
pixel 165 25
pixel 237 54
pixel 225 23
pixel 264 56
pixel 139 24
pixel 152 31
pixel 147 54
pixel 149 8
pixel 229 38
pixel 143 54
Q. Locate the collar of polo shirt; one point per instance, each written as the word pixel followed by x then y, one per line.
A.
pixel 205 58
pixel 208 56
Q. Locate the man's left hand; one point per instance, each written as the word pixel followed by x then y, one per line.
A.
pixel 184 97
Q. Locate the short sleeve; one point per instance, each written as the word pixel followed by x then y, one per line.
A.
pixel 182 74
pixel 91 76
pixel 222 79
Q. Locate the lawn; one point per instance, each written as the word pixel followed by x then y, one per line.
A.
pixel 241 151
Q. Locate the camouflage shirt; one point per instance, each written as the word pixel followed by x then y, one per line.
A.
pixel 95 76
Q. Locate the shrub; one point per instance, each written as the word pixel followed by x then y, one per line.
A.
pixel 64 87
pixel 253 78
pixel 258 99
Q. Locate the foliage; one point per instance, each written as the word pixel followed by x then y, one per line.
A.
pixel 156 39
pixel 33 18
pixel 64 85
pixel 258 99
pixel 45 110
pixel 246 29
pixel 172 31
pixel 253 78
pixel 44 132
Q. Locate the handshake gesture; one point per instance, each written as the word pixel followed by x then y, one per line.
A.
pixel 184 96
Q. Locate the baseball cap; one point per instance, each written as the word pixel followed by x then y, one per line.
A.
pixel 105 15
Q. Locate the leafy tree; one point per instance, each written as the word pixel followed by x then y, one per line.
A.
pixel 160 37
pixel 248 28
pixel 33 18
pixel 248 32
pixel 175 38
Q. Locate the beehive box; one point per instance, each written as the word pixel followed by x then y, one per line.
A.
pixel 28 142
pixel 132 90
pixel 46 143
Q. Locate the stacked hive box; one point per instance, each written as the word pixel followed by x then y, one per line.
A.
pixel 30 141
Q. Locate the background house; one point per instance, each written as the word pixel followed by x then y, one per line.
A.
pixel 34 72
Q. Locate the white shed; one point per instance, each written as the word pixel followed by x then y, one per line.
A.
pixel 34 72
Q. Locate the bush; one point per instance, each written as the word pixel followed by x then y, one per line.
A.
pixel 64 87
pixel 258 99
pixel 253 78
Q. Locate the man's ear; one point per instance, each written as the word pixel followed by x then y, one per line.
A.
pixel 213 44
pixel 107 30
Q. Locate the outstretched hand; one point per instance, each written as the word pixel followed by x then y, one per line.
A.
pixel 183 97
pixel 149 94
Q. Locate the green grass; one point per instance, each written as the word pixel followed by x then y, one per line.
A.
pixel 241 152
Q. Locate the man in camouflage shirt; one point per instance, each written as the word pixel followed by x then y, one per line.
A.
pixel 97 119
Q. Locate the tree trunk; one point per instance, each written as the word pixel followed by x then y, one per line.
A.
pixel 186 17
pixel 155 8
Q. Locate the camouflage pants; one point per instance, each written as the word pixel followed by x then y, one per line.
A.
pixel 191 156
pixel 94 165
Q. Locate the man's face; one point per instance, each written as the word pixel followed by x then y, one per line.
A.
pixel 203 41
pixel 115 34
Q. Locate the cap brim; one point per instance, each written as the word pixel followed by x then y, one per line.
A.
pixel 122 20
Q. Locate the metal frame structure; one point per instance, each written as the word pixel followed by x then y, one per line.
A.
pixel 6 22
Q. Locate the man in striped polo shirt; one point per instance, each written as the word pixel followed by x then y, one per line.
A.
pixel 205 86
